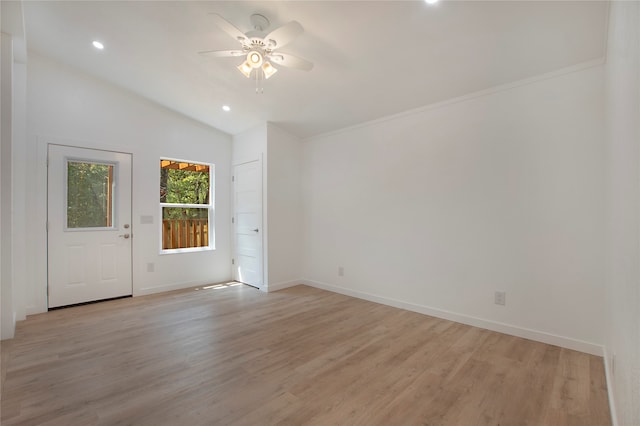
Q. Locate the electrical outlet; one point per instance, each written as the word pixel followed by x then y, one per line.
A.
pixel 500 298
pixel 151 267
pixel 340 271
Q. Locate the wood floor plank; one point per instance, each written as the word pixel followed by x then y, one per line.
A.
pixel 231 354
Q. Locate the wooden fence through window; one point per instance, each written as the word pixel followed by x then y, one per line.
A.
pixel 184 233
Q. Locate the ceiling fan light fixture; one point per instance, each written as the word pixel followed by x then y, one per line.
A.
pixel 268 69
pixel 254 59
pixel 245 68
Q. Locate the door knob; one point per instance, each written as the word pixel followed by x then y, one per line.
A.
pixel 255 230
pixel 125 236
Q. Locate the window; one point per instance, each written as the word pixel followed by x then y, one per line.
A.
pixel 89 195
pixel 186 204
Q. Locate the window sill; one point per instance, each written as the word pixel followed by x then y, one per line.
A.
pixel 187 250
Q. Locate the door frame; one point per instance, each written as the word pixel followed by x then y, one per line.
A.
pixel 44 144
pixel 263 220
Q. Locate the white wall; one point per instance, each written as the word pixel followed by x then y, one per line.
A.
pixel 623 202
pixel 66 106
pixel 7 307
pixel 13 170
pixel 250 145
pixel 437 209
pixel 20 175
pixel 284 202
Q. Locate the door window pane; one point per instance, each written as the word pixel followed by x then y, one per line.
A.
pixel 89 195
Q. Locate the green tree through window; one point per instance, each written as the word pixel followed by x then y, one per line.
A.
pixel 185 198
pixel 89 195
pixel 184 186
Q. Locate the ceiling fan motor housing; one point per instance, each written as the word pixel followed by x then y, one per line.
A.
pixel 259 22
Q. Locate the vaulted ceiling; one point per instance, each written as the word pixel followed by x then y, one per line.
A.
pixel 372 58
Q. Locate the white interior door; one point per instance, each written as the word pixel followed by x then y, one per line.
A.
pixel 89 225
pixel 247 190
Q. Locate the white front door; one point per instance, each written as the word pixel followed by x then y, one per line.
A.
pixel 247 191
pixel 89 225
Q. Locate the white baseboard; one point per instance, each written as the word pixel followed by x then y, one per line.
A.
pixel 283 285
pixel 526 333
pixel 609 377
pixel 9 330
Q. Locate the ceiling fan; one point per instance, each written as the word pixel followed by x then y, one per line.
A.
pixel 261 51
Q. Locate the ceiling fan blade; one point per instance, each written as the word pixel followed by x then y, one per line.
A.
pixel 283 35
pixel 291 61
pixel 229 28
pixel 222 53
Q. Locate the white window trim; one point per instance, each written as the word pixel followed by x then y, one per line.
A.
pixel 210 208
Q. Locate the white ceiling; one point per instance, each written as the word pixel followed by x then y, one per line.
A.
pixel 372 58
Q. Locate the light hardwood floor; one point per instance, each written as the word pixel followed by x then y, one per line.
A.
pixel 301 356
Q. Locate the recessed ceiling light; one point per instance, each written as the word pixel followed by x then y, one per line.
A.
pixel 98 45
pixel 431 1
pixel 226 108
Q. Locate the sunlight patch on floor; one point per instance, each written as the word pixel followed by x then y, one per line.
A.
pixel 219 286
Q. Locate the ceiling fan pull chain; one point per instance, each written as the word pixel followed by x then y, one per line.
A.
pixel 256 82
pixel 259 88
